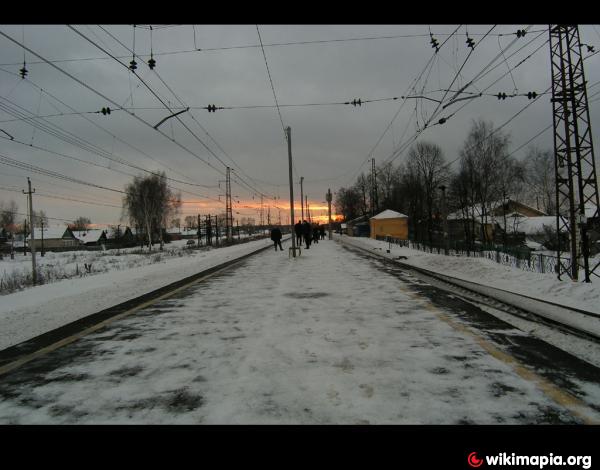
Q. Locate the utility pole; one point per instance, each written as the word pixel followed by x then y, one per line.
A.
pixel 261 214
pixel 302 195
pixel 199 232
pixel 32 238
pixel 42 231
pixel 328 197
pixel 25 238
pixel 575 168
pixel 208 230
pixel 228 208
pixel 289 140
pixel 306 204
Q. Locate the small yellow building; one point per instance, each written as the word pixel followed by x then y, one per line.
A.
pixel 389 223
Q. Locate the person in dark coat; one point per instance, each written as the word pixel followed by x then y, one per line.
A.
pixel 315 231
pixel 276 237
pixel 298 231
pixel 307 233
pixel 322 232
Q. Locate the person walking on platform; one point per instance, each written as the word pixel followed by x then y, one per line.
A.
pixel 276 237
pixel 315 231
pixel 322 232
pixel 298 232
pixel 307 233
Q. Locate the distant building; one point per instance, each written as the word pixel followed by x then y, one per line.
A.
pixel 54 239
pixel 120 237
pixel 94 237
pixel 389 223
pixel 511 206
pixel 358 227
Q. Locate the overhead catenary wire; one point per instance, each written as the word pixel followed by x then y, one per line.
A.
pixel 109 100
pixel 480 75
pixel 253 46
pixel 409 89
pixel 181 102
pixel 163 103
pixel 115 137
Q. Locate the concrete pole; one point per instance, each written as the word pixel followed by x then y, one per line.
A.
pixel 32 237
pixel 328 198
pixel 289 139
pixel 302 195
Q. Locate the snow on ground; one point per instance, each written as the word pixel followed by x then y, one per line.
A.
pixel 37 310
pixel 546 286
pixel 326 338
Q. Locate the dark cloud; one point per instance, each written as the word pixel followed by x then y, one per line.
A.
pixel 329 142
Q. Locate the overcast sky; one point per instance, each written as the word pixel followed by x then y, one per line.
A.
pixel 329 142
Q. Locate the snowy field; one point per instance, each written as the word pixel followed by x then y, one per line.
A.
pixel 115 279
pixel 327 338
pixel 546 286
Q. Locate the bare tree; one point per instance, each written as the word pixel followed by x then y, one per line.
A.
pixel 362 187
pixel 40 218
pixel 191 221
pixel 81 223
pixel 347 203
pixel 388 177
pixel 426 165
pixel 484 157
pixel 149 202
pixel 541 179
pixel 8 215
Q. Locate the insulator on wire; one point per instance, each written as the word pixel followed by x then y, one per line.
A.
pixel 151 63
pixel 470 43
pixel 434 43
pixel 442 121
pixel 521 33
pixel 133 65
pixel 211 108
pixel 356 102
pixel 501 96
pixel 23 71
pixel 105 111
pixel 531 95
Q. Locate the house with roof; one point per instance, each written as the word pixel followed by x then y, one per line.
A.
pixel 358 227
pixel 120 237
pixel 389 223
pixel 93 237
pixel 511 206
pixel 54 238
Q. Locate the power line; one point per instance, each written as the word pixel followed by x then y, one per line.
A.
pixel 161 100
pixel 109 133
pixel 107 99
pixel 271 82
pixel 168 107
pixel 252 46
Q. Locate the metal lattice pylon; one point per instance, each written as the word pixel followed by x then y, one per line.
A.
pixel 576 183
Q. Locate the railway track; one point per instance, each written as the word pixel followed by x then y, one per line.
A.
pixel 534 320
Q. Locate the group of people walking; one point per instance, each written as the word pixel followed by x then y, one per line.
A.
pixel 305 232
pixel 309 233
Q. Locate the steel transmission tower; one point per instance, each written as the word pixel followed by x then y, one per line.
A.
pixel 575 169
